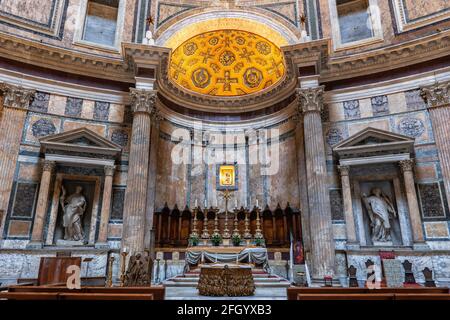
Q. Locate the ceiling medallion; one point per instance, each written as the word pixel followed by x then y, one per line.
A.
pixel 227 63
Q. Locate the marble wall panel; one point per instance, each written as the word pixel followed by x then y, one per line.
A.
pixel 116 112
pixel 38 126
pixel 413 125
pixel 397 102
pixel 436 229
pixel 87 111
pixel 72 125
pixel 29 172
pixel 18 228
pixel 114 231
pixel 57 104
pixel 416 9
pixel 355 127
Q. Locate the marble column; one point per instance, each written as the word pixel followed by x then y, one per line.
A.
pixel 13 112
pixel 438 99
pixel 42 204
pixel 106 205
pixel 348 205
pixel 151 189
pixel 303 188
pixel 322 243
pixel 406 167
pixel 135 204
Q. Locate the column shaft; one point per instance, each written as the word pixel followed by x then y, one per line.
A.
pixel 106 204
pixel 322 243
pixel 43 201
pixel 411 195
pixel 137 181
pixel 348 205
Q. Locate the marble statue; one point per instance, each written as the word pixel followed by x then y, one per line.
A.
pixel 73 207
pixel 380 210
pixel 149 38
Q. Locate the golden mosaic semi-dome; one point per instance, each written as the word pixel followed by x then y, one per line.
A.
pixel 227 63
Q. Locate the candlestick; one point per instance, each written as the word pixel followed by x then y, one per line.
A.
pixel 257 203
pixel 123 256
pixel 205 204
pixel 235 203
pixel 194 232
pixel 205 233
pixel 247 234
pixel 236 223
pixel 196 203
pixel 258 233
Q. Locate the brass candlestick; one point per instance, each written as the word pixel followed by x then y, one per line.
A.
pixel 247 234
pixel 109 279
pixel 194 232
pixel 205 233
pixel 258 232
pixel 123 256
pixel 236 223
pixel 226 233
pixel 216 222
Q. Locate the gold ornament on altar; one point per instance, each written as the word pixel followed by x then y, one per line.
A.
pixel 227 63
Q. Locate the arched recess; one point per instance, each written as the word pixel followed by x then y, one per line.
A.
pixel 193 25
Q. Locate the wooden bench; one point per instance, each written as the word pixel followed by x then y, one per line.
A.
pixel 422 296
pixel 140 293
pixel 337 293
pixel 352 296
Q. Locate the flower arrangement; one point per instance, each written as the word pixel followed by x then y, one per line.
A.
pixel 194 240
pixel 236 239
pixel 216 239
pixel 259 242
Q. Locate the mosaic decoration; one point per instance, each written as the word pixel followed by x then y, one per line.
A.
pixel 334 136
pixel 73 107
pixel 412 127
pixel 40 102
pixel 24 199
pixel 380 105
pixel 42 128
pixel 227 63
pixel 101 111
pixel 431 201
pixel 120 137
pixel 351 109
pixel 337 207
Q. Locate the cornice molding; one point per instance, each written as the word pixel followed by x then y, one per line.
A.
pixel 388 58
pixel 48 56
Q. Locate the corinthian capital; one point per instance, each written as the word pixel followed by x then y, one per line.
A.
pixel 310 99
pixel 16 97
pixel 143 100
pixel 437 95
pixel 156 115
pixel 406 165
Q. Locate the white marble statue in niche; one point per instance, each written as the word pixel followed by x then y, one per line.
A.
pixel 380 210
pixel 73 208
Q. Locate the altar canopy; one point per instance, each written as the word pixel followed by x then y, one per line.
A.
pixel 249 255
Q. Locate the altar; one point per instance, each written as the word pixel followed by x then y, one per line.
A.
pixel 251 256
pixel 221 280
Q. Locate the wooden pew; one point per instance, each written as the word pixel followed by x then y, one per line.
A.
pixel 156 292
pixel 422 296
pixel 338 293
pixel 106 296
pixel 29 295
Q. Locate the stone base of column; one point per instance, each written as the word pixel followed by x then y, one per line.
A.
pixel 35 245
pixel 421 246
pixel 101 245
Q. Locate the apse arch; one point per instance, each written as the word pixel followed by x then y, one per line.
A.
pixel 193 25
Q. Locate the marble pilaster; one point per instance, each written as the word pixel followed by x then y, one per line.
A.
pixel 406 167
pixel 43 202
pixel 135 204
pixel 106 204
pixel 13 112
pixel 322 243
pixel 348 205
pixel 438 100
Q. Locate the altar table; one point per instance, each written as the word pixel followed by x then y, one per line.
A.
pixel 250 255
pixel 221 280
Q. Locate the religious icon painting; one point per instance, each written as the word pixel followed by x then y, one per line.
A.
pixel 227 177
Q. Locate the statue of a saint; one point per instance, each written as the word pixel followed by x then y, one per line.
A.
pixel 73 207
pixel 380 210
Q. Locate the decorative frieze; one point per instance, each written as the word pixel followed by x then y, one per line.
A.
pixel 437 95
pixel 310 99
pixel 73 107
pixel 16 97
pixel 101 111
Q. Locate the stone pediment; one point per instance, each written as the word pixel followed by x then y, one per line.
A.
pixel 374 142
pixel 82 141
